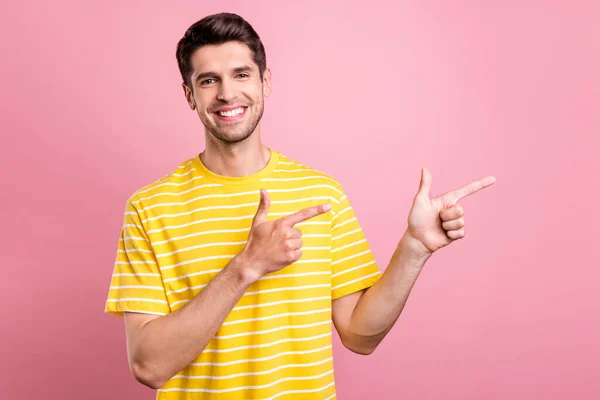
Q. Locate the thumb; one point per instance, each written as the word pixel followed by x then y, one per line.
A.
pixel 263 208
pixel 425 185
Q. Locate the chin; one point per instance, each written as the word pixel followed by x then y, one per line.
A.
pixel 228 137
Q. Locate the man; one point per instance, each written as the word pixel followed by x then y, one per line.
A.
pixel 231 269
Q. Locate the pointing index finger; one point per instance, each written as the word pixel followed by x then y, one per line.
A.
pixel 470 188
pixel 305 214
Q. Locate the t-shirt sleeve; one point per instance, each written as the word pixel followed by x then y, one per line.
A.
pixel 353 265
pixel 136 283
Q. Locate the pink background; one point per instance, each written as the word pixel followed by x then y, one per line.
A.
pixel 92 109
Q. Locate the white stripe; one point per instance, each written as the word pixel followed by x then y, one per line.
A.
pixel 322 260
pixel 185 289
pixel 344 223
pixel 196 222
pixel 350 257
pixel 285 214
pixel 134 251
pixel 132 238
pixel 305 188
pixel 249 216
pixel 258 346
pixel 264 278
pixel 210 271
pixel 193 261
pixel 304 391
pixel 303 199
pixel 316 248
pixel 279 328
pixel 345 234
pixel 296 179
pixel 286 289
pixel 184 174
pixel 349 245
pixel 355 280
pixel 233 206
pixel 343 197
pixel 259 291
pixel 249 360
pixel 343 211
pixel 303 378
pixel 273 303
pixel 200 246
pixel 136 299
pixel 178 193
pixel 206 196
pixel 138 287
pixel 132 226
pixel 290 163
pixel 201 209
pixel 168 184
pixel 144 312
pixel 134 262
pixel 138 274
pixel 268 304
pixel 241 321
pixel 352 269
pixel 265 372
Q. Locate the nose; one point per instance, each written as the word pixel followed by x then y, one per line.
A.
pixel 226 91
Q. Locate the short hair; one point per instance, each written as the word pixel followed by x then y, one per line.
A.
pixel 218 29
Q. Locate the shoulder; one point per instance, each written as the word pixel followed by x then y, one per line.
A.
pixel 293 170
pixel 174 182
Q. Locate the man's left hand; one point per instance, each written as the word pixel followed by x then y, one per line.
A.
pixel 435 223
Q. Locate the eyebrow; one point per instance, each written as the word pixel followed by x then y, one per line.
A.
pixel 236 70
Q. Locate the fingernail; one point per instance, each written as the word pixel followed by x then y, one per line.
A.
pixel 327 207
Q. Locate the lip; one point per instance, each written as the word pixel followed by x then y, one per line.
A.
pixel 240 116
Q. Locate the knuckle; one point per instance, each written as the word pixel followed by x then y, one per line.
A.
pixel 291 256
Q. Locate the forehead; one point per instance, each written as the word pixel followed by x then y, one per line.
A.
pixel 221 58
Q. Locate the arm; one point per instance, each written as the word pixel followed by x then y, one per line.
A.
pixel 364 318
pixel 160 346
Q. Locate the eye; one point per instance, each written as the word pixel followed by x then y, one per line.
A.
pixel 207 81
pixel 243 75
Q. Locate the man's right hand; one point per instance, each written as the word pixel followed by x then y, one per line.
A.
pixel 273 245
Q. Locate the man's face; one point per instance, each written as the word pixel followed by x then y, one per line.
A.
pixel 227 90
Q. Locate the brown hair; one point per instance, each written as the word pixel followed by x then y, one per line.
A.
pixel 218 29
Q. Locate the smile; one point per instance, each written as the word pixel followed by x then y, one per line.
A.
pixel 231 115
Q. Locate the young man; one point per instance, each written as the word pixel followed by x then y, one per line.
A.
pixel 231 269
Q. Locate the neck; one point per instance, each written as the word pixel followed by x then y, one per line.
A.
pixel 235 160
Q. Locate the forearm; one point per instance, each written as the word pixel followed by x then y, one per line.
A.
pixel 168 344
pixel 380 306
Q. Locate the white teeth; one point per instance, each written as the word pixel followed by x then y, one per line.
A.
pixel 231 113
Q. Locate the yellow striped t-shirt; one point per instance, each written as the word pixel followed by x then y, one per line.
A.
pixel 181 230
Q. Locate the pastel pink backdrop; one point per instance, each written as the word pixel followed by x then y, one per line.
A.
pixel 92 109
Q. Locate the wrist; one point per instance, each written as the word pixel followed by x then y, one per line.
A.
pixel 414 248
pixel 246 270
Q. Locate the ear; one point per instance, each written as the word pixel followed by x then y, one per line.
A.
pixel 267 82
pixel 189 96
